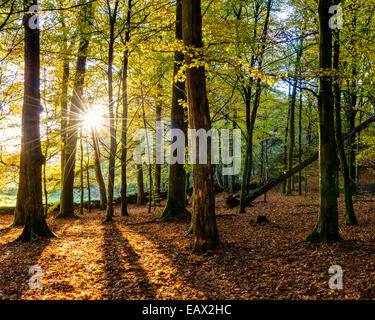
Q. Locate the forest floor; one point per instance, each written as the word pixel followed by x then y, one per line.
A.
pixel 137 258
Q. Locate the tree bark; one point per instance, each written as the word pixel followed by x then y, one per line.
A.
pixel 157 173
pixel 349 209
pixel 326 228
pixel 31 195
pixel 249 144
pixel 98 170
pixel 176 181
pixel 205 235
pixel 88 177
pixel 124 122
pixel 140 188
pixel 67 192
pixel 300 144
pixel 290 182
pixel 112 127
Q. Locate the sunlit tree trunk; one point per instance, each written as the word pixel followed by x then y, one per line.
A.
pixel 64 97
pixel 67 192
pixel 98 170
pixel 205 235
pixel 82 190
pixel 112 127
pixel 88 176
pixel 31 195
pixel 124 122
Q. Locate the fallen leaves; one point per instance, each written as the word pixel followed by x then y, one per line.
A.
pixel 136 257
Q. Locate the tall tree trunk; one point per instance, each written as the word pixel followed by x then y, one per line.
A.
pixel 300 143
pixel 112 127
pixel 290 182
pixel 352 112
pixel 265 168
pixel 124 122
pixel 31 195
pixel 205 235
pixel 233 177
pixel 176 182
pixel 286 146
pixel 157 173
pixel 67 192
pixel 349 209
pixel 88 176
pixel 64 98
pixel 45 175
pixel 98 170
pixel 326 228
pixel 82 190
pixel 249 143
pixel 148 151
pixel 140 187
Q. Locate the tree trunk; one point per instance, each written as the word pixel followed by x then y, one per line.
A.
pixel 233 177
pixel 67 192
pixel 98 170
pixel 88 177
pixel 140 188
pixel 249 144
pixel 82 190
pixel 349 209
pixel 326 228
pixel 300 144
pixel 290 182
pixel 112 127
pixel 205 235
pixel 157 173
pixel 64 100
pixel 31 195
pixel 124 122
pixel 176 181
pixel 45 175
pixel 286 147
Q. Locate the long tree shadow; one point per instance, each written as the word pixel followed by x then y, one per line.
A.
pixel 16 259
pixel 124 275
pixel 187 271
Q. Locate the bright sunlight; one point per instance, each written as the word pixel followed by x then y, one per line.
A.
pixel 94 118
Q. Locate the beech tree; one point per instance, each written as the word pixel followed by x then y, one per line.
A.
pixel 205 235
pixel 176 181
pixel 32 157
pixel 326 228
pixel 67 192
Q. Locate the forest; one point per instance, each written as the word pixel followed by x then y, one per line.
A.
pixel 187 150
